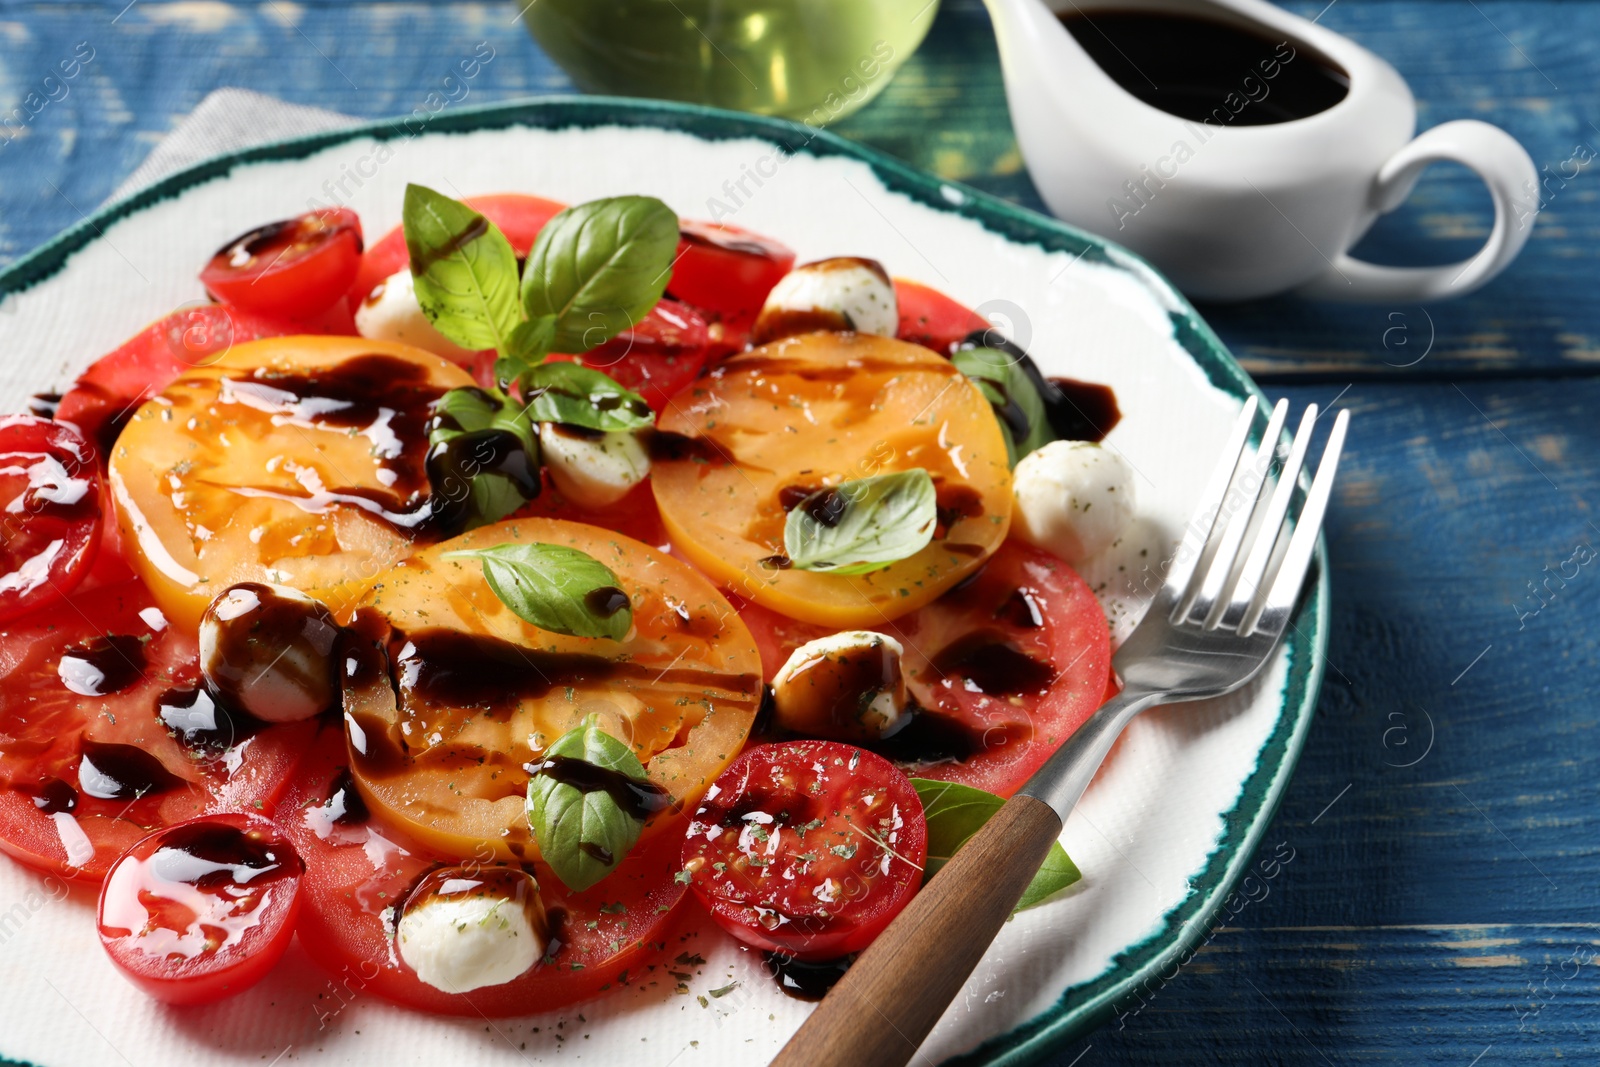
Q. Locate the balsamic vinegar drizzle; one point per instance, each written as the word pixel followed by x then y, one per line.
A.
pixel 437 668
pixel 640 799
pixel 803 979
pixel 345 801
pixel 388 400
pixel 53 796
pixel 1190 66
pixel 103 666
pixel 1076 411
pixel 202 722
pixel 121 772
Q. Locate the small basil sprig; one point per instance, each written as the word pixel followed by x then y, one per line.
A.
pixel 583 833
pixel 1018 408
pixel 594 271
pixel 864 525
pixel 555 588
pixel 483 458
pixel 581 396
pixel 956 812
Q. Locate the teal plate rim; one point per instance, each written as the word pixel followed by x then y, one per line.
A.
pixel 1145 965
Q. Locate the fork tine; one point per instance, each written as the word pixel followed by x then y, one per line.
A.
pixel 1251 575
pixel 1238 522
pixel 1274 612
pixel 1210 506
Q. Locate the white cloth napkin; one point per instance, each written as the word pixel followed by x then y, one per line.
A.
pixel 227 120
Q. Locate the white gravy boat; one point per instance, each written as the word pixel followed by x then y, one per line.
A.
pixel 1231 211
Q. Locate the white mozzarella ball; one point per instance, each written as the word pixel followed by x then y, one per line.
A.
pixel 391 313
pixel 267 650
pixel 847 686
pixel 1073 498
pixel 467 930
pixel 593 469
pixel 844 293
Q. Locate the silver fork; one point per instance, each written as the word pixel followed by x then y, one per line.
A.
pixel 1229 594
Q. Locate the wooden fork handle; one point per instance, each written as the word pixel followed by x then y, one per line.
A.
pixel 893 995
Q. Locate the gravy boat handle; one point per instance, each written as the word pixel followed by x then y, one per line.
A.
pixel 1513 181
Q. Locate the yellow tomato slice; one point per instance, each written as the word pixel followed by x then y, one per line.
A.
pixel 297 460
pixel 449 695
pixel 810 412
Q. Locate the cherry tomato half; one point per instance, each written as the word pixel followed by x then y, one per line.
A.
pixel 726 269
pixel 49 512
pixel 201 910
pixel 931 319
pixel 657 357
pixel 809 848
pixel 111 390
pixel 296 267
pixel 519 216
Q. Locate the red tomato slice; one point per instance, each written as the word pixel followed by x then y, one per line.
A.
pixel 111 390
pixel 297 268
pixel 106 734
pixel 520 218
pixel 1005 668
pixel 49 512
pixel 727 269
pixel 808 848
pixel 202 910
pixel 657 357
pixel 357 871
pixel 931 319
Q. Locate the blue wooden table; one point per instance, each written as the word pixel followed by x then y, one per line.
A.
pixel 1444 903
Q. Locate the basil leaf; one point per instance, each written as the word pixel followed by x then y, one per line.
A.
pixel 863 525
pixel 555 588
pixel 582 396
pixel 465 270
pixel 598 268
pixel 483 458
pixel 955 812
pixel 1016 401
pixel 583 835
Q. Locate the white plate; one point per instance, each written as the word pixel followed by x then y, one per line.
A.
pixel 1165 831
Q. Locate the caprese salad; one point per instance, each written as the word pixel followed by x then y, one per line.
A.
pixel 482 602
